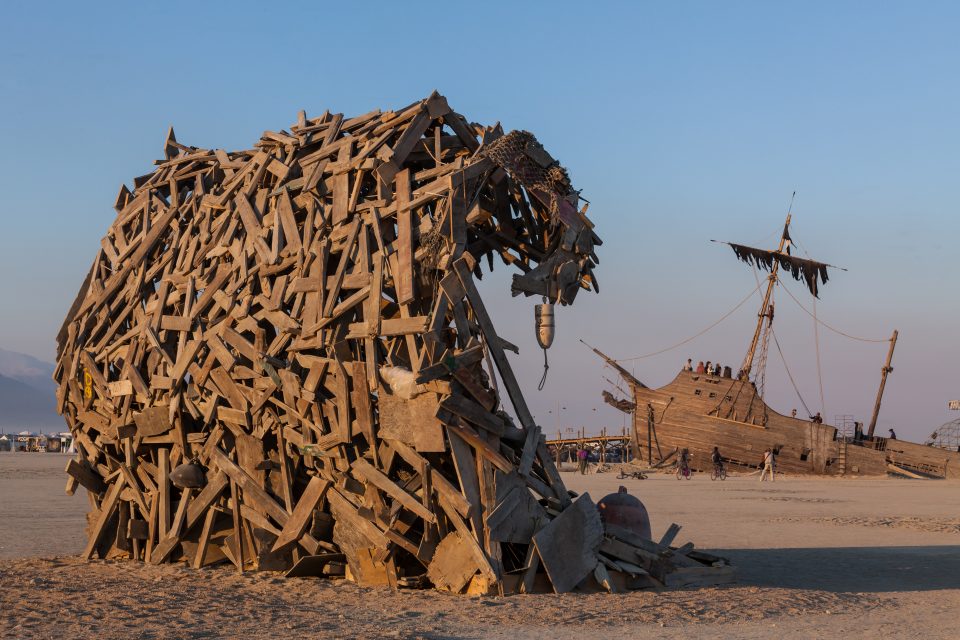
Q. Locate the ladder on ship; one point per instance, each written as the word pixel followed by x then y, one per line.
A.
pixel 845 430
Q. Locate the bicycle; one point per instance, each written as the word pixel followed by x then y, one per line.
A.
pixel 637 475
pixel 719 471
pixel 683 471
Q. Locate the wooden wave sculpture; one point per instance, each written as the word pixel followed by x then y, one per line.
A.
pixel 278 354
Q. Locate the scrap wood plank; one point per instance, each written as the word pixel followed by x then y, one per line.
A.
pixel 362 406
pixel 532 565
pixel 107 507
pixel 669 534
pixel 517 515
pixel 443 486
pixel 552 474
pixel 312 566
pixel 453 563
pixel 205 499
pixel 382 482
pixel 179 526
pixel 466 467
pixel 343 510
pixel 473 413
pixel 204 540
pixel 163 488
pixel 81 471
pixel 464 272
pixel 635 539
pixel 411 421
pixel 481 446
pixel 153 421
pixel 628 553
pixel 893 468
pixel 404 276
pixel 302 513
pixel 134 486
pixel 254 494
pixel 568 545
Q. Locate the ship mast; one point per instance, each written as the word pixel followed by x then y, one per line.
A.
pixel 883 383
pixel 765 313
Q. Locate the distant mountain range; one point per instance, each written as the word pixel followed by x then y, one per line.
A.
pixel 27 395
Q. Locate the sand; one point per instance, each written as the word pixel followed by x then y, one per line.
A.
pixel 817 558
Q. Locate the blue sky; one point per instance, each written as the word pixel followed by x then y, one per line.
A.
pixel 681 121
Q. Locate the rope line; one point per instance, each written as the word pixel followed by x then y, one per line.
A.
pixel 835 330
pixel 546 368
pixel 789 375
pixel 814 316
pixel 690 339
pixel 816 338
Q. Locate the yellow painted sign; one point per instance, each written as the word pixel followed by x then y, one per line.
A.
pixel 87 384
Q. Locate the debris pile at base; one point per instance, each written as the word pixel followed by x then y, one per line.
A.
pixel 280 359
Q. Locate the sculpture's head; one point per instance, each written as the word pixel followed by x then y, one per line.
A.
pixel 553 239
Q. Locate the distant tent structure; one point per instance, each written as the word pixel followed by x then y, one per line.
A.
pixel 947 436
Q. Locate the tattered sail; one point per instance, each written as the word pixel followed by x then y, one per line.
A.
pixel 810 272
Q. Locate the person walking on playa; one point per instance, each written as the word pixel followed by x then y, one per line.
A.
pixel 582 460
pixel 767 465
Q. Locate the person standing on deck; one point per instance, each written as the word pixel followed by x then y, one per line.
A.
pixel 700 367
pixel 893 435
pixel 689 365
pixel 768 460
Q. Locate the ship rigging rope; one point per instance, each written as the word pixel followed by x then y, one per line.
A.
pixel 816 338
pixel 821 322
pixel 816 334
pixel 814 315
pixel 783 359
pixel 694 337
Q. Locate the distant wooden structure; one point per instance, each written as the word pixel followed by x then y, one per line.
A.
pixel 565 448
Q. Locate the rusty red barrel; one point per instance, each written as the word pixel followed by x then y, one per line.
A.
pixel 624 510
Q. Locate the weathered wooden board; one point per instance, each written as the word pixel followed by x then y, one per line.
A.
pixel 153 421
pixel 568 545
pixel 453 564
pixel 412 421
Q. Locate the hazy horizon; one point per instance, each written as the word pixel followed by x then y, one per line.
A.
pixel 681 123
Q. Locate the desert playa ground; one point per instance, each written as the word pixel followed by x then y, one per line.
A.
pixel 817 558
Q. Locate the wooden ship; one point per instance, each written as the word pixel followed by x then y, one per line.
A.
pixel 698 411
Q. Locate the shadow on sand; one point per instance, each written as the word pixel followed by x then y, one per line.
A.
pixel 849 569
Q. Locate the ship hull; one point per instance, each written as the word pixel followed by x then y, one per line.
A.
pixel 698 412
